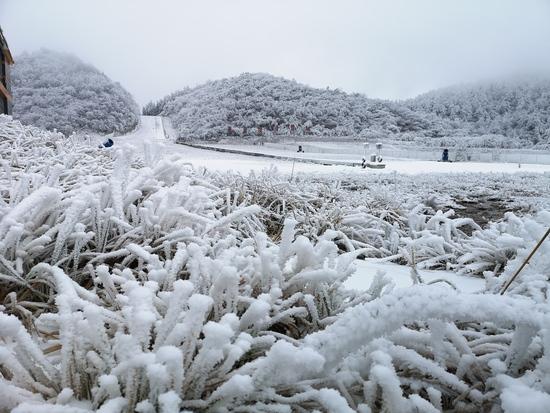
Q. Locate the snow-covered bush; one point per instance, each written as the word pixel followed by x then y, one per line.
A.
pixel 203 287
pixel 135 283
pixel 184 328
pixel 58 91
pixel 419 226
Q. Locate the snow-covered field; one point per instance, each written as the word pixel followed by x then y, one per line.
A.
pixel 151 133
pixel 134 279
pixel 401 165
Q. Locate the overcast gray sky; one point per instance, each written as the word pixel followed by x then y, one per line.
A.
pixel 386 48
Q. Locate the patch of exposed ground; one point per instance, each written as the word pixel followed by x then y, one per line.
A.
pixel 485 209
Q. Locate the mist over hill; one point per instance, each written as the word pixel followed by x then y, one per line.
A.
pixel 514 112
pixel 55 90
pixel 505 114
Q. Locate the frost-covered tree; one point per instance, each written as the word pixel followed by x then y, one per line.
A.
pixel 513 113
pixel 280 107
pixel 506 114
pixel 55 90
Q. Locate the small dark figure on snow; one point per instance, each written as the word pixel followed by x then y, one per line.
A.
pixel 363 163
pixel 300 149
pixel 107 144
pixel 445 156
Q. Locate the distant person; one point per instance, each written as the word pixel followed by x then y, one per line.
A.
pixel 445 156
pixel 107 144
pixel 300 149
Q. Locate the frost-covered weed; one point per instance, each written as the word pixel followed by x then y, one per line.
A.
pixel 132 285
pixel 121 273
pixel 371 216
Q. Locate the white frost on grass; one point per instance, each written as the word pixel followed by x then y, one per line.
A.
pixel 149 285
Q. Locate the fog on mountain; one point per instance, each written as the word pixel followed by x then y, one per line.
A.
pixel 55 90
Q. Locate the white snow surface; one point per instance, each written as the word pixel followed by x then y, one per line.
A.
pixel 151 131
pixel 401 275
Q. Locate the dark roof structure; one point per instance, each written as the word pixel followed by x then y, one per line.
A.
pixel 5 48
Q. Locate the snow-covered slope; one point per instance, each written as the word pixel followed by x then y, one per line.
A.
pixel 244 104
pixel 509 114
pixel 150 130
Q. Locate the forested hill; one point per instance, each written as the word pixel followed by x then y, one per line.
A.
pixel 253 104
pixel 516 109
pixel 55 90
pixel 511 114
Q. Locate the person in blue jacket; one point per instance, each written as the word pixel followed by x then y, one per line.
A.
pixel 107 144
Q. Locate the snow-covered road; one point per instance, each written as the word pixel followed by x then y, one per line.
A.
pixel 149 130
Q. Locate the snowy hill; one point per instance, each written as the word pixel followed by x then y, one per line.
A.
pixel 507 114
pixel 58 91
pixel 518 110
pixel 243 104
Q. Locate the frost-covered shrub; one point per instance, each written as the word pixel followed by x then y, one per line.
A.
pixel 131 283
pixel 190 327
pixel 58 91
pixel 412 228
pixel 151 283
